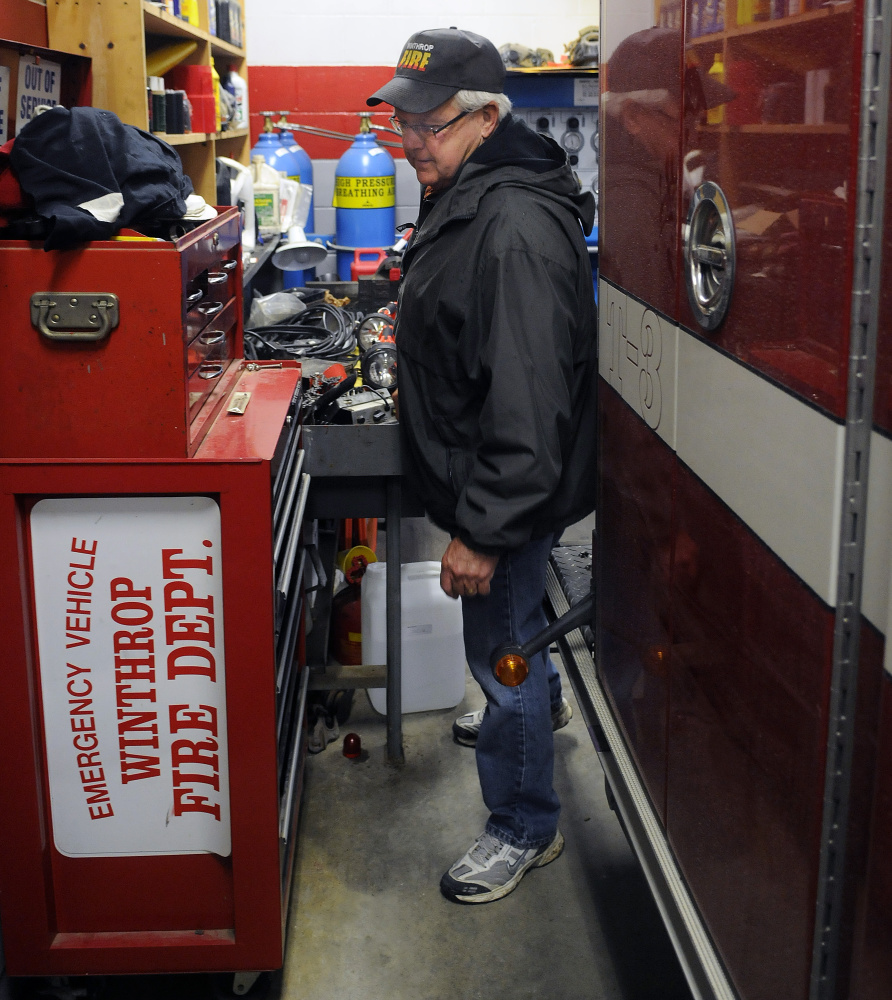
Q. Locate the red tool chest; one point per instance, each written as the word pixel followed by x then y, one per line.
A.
pixel 153 383
pixel 152 677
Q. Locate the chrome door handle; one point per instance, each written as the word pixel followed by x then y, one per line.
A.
pixel 709 255
pixel 713 256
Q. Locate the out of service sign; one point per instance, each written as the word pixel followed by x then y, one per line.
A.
pixel 40 84
pixel 129 610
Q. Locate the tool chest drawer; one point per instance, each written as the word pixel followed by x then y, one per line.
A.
pixel 209 353
pixel 208 295
pixel 134 340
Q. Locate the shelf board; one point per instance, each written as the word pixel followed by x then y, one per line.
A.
pixel 219 47
pixel 233 133
pixel 766 128
pixel 794 21
pixel 253 260
pixel 826 128
pixel 159 22
pixel 185 138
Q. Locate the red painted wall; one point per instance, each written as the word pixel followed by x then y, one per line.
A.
pixel 22 21
pixel 324 96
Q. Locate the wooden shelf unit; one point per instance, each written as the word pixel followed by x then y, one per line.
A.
pixel 118 37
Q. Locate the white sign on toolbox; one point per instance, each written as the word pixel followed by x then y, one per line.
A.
pixel 40 82
pixel 129 603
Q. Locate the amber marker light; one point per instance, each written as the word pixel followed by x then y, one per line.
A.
pixel 511 663
pixel 510 666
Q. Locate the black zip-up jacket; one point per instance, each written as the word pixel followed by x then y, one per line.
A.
pixel 497 341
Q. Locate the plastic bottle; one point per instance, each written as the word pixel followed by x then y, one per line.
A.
pixel 218 116
pixel 238 87
pixel 189 11
pixel 696 18
pixel 267 213
pixel 715 116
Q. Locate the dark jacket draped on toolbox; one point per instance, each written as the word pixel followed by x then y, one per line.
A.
pixel 91 175
pixel 497 340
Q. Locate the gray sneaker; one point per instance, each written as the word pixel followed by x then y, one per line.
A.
pixel 466 728
pixel 491 869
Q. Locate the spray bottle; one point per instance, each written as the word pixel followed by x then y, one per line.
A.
pixel 239 89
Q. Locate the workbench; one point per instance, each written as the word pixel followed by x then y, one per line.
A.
pixel 356 471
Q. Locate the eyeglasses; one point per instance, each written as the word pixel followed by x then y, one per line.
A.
pixel 424 131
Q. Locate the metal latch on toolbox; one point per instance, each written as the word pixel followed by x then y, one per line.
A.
pixel 78 316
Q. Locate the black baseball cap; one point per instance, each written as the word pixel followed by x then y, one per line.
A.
pixel 436 64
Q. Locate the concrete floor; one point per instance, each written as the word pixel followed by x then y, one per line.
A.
pixel 368 920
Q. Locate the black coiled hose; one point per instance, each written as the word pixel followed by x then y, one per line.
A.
pixel 321 331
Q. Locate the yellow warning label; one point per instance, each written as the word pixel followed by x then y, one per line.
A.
pixel 365 192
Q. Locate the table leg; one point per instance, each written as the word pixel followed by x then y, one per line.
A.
pixel 394 623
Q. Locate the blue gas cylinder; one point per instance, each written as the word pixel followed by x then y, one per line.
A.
pixel 279 157
pixel 304 165
pixel 305 175
pixel 364 200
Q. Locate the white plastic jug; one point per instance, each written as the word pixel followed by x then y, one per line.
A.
pixel 433 651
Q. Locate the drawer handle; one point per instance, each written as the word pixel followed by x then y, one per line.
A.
pixel 209 308
pixel 210 337
pixel 217 278
pixel 228 265
pixel 194 297
pixel 209 371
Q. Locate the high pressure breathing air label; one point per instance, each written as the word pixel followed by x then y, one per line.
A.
pixel 365 192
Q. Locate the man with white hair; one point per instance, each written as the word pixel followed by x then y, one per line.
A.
pixel 496 335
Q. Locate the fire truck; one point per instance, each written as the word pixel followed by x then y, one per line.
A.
pixel 740 687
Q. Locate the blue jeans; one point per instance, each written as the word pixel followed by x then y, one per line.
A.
pixel 515 747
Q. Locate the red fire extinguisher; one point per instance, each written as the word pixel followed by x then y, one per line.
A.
pixel 346 625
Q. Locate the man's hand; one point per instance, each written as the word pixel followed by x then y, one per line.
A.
pixel 464 572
